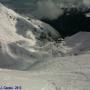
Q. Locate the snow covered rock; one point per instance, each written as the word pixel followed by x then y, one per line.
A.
pixel 21 40
pixel 29 29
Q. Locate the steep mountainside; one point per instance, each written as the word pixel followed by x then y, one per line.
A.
pixel 22 39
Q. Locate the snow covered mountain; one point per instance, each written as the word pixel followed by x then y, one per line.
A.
pixel 35 47
pixel 21 38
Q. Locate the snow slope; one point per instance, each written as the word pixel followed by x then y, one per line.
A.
pixel 79 43
pixel 67 73
pixel 23 41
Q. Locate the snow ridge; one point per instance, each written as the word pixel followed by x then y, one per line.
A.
pixel 22 39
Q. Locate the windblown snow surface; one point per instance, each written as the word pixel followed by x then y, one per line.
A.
pixel 34 56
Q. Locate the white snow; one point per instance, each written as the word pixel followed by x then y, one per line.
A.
pixel 68 73
pixel 29 45
pixel 79 43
